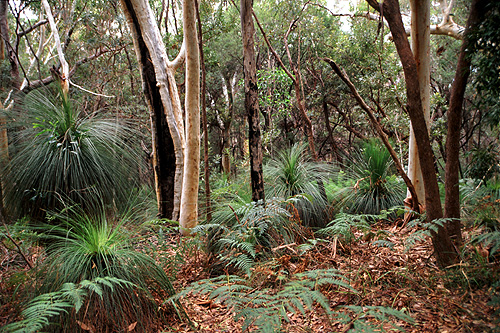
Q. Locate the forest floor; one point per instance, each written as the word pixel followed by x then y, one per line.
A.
pixel 452 300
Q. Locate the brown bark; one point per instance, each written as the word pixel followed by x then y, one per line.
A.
pixel 164 162
pixel 444 250
pixel 251 100
pixel 9 49
pixel 326 114
pixel 208 208
pixel 452 202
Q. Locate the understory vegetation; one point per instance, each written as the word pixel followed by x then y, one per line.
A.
pixel 89 176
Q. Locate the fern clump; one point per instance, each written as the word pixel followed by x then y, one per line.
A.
pixel 40 310
pixel 241 235
pixel 344 225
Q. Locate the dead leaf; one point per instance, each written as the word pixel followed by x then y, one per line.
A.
pixel 131 326
pixel 85 327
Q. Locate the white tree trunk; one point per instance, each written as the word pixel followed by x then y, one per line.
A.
pixel 167 86
pixel 420 42
pixel 185 132
pixel 189 199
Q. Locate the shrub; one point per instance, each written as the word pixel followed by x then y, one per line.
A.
pixel 61 152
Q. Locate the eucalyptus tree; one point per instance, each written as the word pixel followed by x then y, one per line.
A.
pixel 162 95
pixel 445 252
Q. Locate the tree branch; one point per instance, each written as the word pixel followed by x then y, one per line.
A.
pixel 370 112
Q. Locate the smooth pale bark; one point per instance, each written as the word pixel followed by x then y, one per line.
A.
pixel 420 43
pixel 64 72
pixel 42 43
pixel 452 195
pixel 165 82
pixel 444 250
pixel 252 100
pixel 225 120
pixel 163 154
pixel 189 200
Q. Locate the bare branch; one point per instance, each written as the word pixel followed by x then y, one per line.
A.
pixel 370 113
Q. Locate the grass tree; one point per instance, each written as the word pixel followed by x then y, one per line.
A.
pixel 374 187
pixel 91 247
pixel 293 173
pixel 63 153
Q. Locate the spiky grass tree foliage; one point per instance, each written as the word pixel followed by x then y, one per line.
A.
pixel 293 173
pixel 84 247
pixel 61 152
pixel 373 185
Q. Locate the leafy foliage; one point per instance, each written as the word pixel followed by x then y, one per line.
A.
pixel 293 173
pixel 265 310
pixel 41 309
pixel 344 225
pixel 486 52
pixel 374 187
pixel 65 153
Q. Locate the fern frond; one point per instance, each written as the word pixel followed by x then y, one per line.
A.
pixel 42 308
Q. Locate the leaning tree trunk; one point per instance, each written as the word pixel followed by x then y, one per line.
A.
pixel 420 42
pixel 444 250
pixel 452 199
pixel 252 100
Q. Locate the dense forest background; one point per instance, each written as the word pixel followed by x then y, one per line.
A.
pixel 222 166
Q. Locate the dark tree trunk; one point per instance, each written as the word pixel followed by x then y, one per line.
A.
pixel 444 249
pixel 452 200
pixel 7 46
pixel 163 147
pixel 251 100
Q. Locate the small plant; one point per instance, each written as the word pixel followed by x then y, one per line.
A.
pixel 373 186
pixel 293 173
pixel 242 234
pixel 344 225
pixel 84 247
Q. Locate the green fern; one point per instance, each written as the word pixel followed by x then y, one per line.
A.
pixel 245 233
pixel 491 238
pixel 42 308
pixel 425 229
pixel 265 310
pixel 344 224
